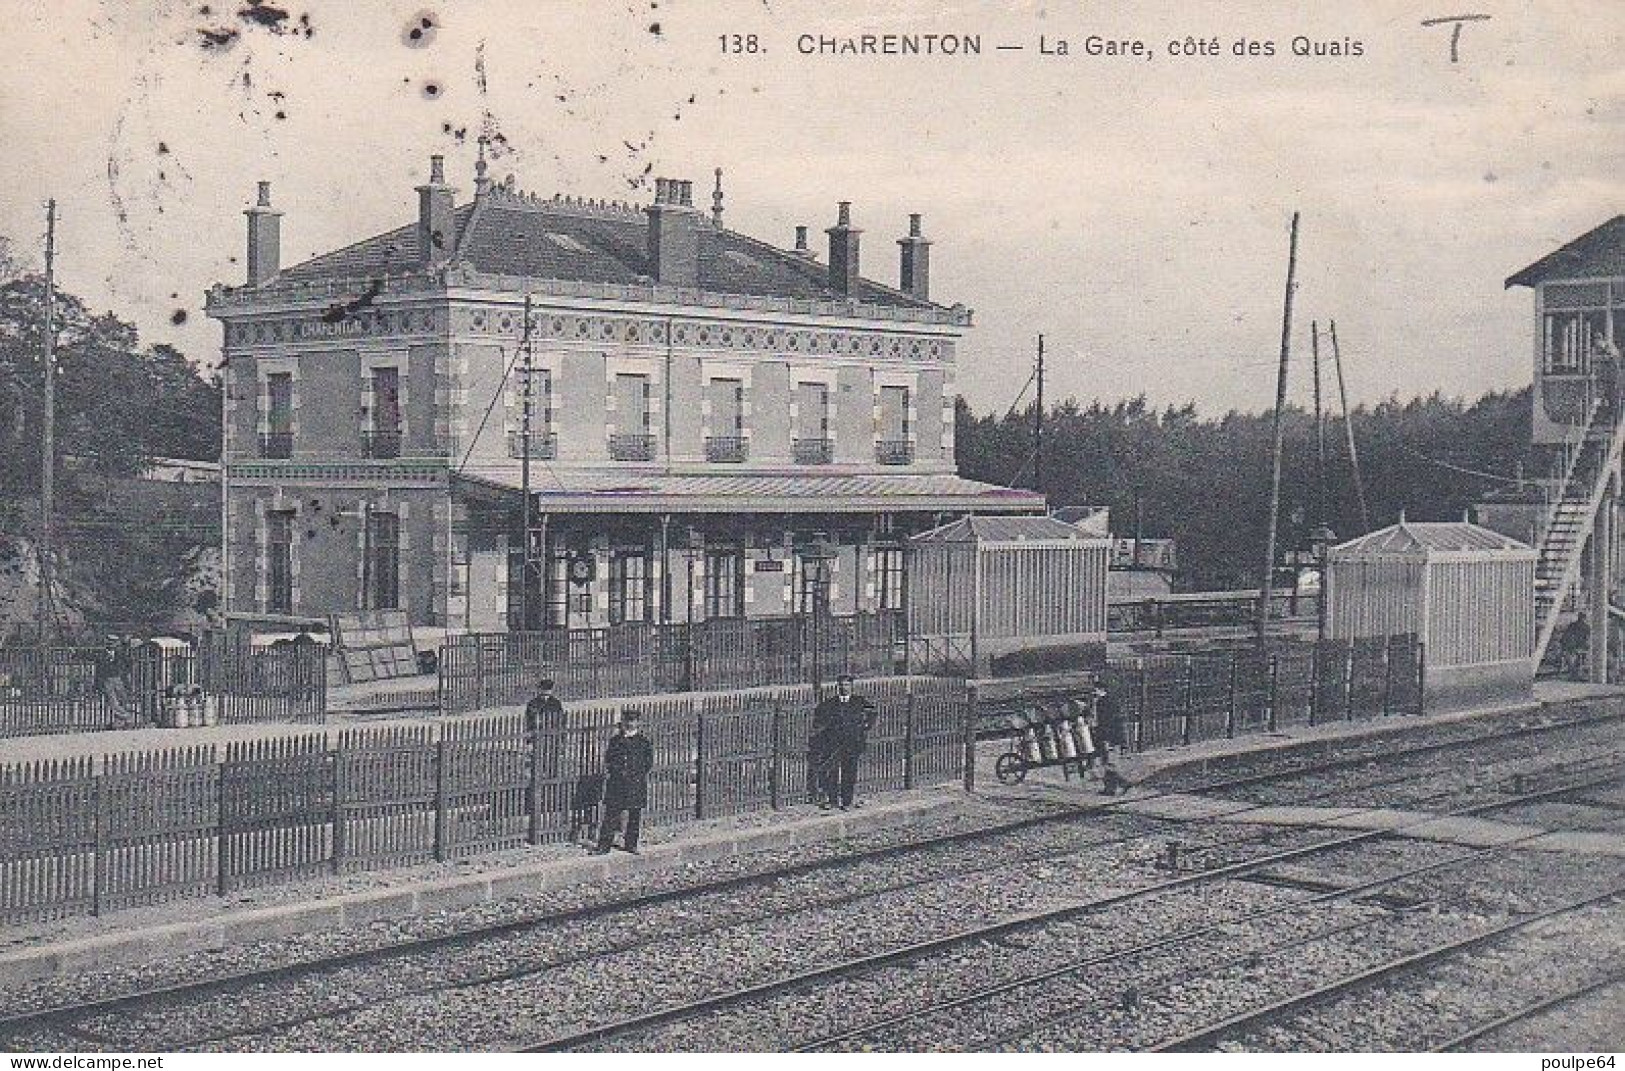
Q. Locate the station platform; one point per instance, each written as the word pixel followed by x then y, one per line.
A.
pixel 48 949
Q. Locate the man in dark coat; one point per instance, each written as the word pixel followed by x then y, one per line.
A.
pixel 545 730
pixel 821 781
pixel 113 668
pixel 544 713
pixel 849 719
pixel 627 762
pixel 1110 732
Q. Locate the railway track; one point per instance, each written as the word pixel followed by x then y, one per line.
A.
pixel 211 987
pixel 1209 1037
pixel 1463 1041
pixel 843 971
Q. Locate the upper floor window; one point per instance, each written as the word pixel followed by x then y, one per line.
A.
pixel 893 445
pixel 813 445
pixel 382 436
pixel 1570 338
pixel 726 441
pixel 276 440
pixel 631 439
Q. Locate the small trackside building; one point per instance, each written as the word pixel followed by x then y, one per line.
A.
pixel 1468 593
pixel 985 589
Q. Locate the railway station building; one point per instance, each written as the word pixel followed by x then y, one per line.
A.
pixel 719 427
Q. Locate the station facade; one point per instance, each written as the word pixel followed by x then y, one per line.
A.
pixel 719 427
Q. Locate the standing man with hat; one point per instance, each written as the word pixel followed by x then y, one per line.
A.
pixel 545 731
pixel 848 719
pixel 544 713
pixel 627 762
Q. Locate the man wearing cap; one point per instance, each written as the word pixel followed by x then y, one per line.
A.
pixel 627 762
pixel 544 713
pixel 849 719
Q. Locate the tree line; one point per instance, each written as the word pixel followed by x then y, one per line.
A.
pixel 1204 480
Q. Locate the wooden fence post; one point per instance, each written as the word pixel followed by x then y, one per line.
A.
pixel 1421 677
pixel 775 788
pixel 699 764
pixel 337 759
pixel 98 870
pixel 222 830
pixel 1186 700
pixel 908 736
pixel 441 799
pixel 1388 677
pixel 1230 715
pixel 1275 691
pixel 969 758
pixel 533 835
pixel 1314 683
pixel 688 645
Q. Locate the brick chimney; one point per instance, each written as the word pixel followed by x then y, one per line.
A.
pixel 915 253
pixel 843 251
pixel 674 234
pixel 801 249
pixel 437 229
pixel 264 238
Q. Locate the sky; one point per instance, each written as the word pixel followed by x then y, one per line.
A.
pixel 1132 208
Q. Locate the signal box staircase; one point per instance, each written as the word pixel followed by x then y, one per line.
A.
pixel 1584 487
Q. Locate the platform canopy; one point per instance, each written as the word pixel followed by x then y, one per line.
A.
pixel 613 492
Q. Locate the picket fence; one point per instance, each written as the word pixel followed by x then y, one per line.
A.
pixel 480 670
pixel 53 689
pixel 1167 700
pixel 190 821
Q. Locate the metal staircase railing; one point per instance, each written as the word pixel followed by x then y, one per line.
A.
pixel 1585 482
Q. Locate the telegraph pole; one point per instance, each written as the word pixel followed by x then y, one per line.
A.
pixel 1275 460
pixel 1320 429
pixel 48 426
pixel 524 471
pixel 1038 424
pixel 1348 428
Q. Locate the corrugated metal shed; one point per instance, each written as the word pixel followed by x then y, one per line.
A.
pixel 1467 592
pixel 999 585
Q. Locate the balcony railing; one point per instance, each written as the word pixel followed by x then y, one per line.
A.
pixel 631 447
pixel 544 446
pixel 381 444
pixel 276 444
pixel 726 448
pixel 814 451
pixel 894 452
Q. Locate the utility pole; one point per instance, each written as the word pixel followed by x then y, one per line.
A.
pixel 1348 428
pixel 1320 540
pixel 1320 430
pixel 1276 448
pixel 1038 424
pixel 524 473
pixel 48 428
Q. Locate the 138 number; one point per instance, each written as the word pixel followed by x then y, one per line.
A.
pixel 740 44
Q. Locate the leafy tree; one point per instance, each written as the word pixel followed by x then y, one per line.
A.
pixel 124 551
